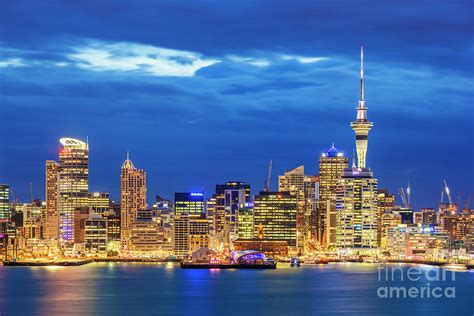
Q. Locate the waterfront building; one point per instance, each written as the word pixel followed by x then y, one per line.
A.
pixel 73 184
pixel 229 197
pixel 271 248
pixel 295 182
pixel 4 202
pixel 385 201
pixel 52 200
pixel 356 220
pixel 132 197
pixel 81 214
pixel 99 203
pixel 245 223
pixel 276 213
pixel 33 220
pixel 331 166
pixel 181 235
pixel 95 235
pixel 388 220
pixel 457 226
pixel 147 234
pixel 191 227
pixel 113 225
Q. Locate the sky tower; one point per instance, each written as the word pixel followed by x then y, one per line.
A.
pixel 361 125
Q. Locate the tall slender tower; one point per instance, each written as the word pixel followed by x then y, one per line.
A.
pixel 132 196
pixel 52 199
pixel 361 125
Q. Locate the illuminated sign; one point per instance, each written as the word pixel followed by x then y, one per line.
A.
pixel 196 194
pixel 66 141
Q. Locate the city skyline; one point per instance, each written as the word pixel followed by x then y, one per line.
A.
pixel 183 120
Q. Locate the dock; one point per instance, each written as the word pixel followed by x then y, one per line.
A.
pixel 190 265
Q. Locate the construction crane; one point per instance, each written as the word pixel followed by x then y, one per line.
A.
pixel 468 203
pixel 401 191
pixel 409 195
pixel 447 192
pixel 269 176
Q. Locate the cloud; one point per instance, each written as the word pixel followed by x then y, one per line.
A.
pixel 12 62
pixel 303 59
pixel 138 58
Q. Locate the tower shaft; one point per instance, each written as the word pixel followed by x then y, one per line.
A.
pixel 361 125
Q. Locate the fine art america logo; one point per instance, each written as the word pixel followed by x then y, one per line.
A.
pixel 416 282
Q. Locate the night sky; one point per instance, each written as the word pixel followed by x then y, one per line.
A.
pixel 202 92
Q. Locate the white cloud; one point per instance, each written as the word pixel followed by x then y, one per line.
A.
pixel 303 59
pixel 147 59
pixel 258 62
pixel 12 62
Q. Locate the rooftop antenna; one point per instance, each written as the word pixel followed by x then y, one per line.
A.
pixel 31 191
pixel 128 154
pixel 362 76
pixel 87 141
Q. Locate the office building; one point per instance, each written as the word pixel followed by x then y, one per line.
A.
pixel 245 224
pixel 73 184
pixel 99 203
pixel 52 199
pixel 331 166
pixel 385 201
pixel 95 235
pixel 132 197
pixel 276 213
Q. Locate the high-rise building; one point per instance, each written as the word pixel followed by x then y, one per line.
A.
pixel 73 184
pixel 361 125
pixel 4 202
pixel 191 227
pixel 99 203
pixel 331 166
pixel 229 197
pixel 132 196
pixel 276 213
pixel 457 226
pixel 356 220
pixel 311 197
pixel 245 225
pixel 385 201
pixel 293 181
pixel 52 199
pixel 95 235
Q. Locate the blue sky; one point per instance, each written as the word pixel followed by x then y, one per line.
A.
pixel 208 91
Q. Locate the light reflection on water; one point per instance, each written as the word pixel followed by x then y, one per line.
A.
pixel 118 288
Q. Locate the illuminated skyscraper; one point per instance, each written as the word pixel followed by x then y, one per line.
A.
pixel 4 202
pixel 229 197
pixel 385 201
pixel 73 184
pixel 331 166
pixel 356 210
pixel 245 227
pixel 361 125
pixel 52 199
pixel 303 188
pixel 276 213
pixel 191 228
pixel 132 196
